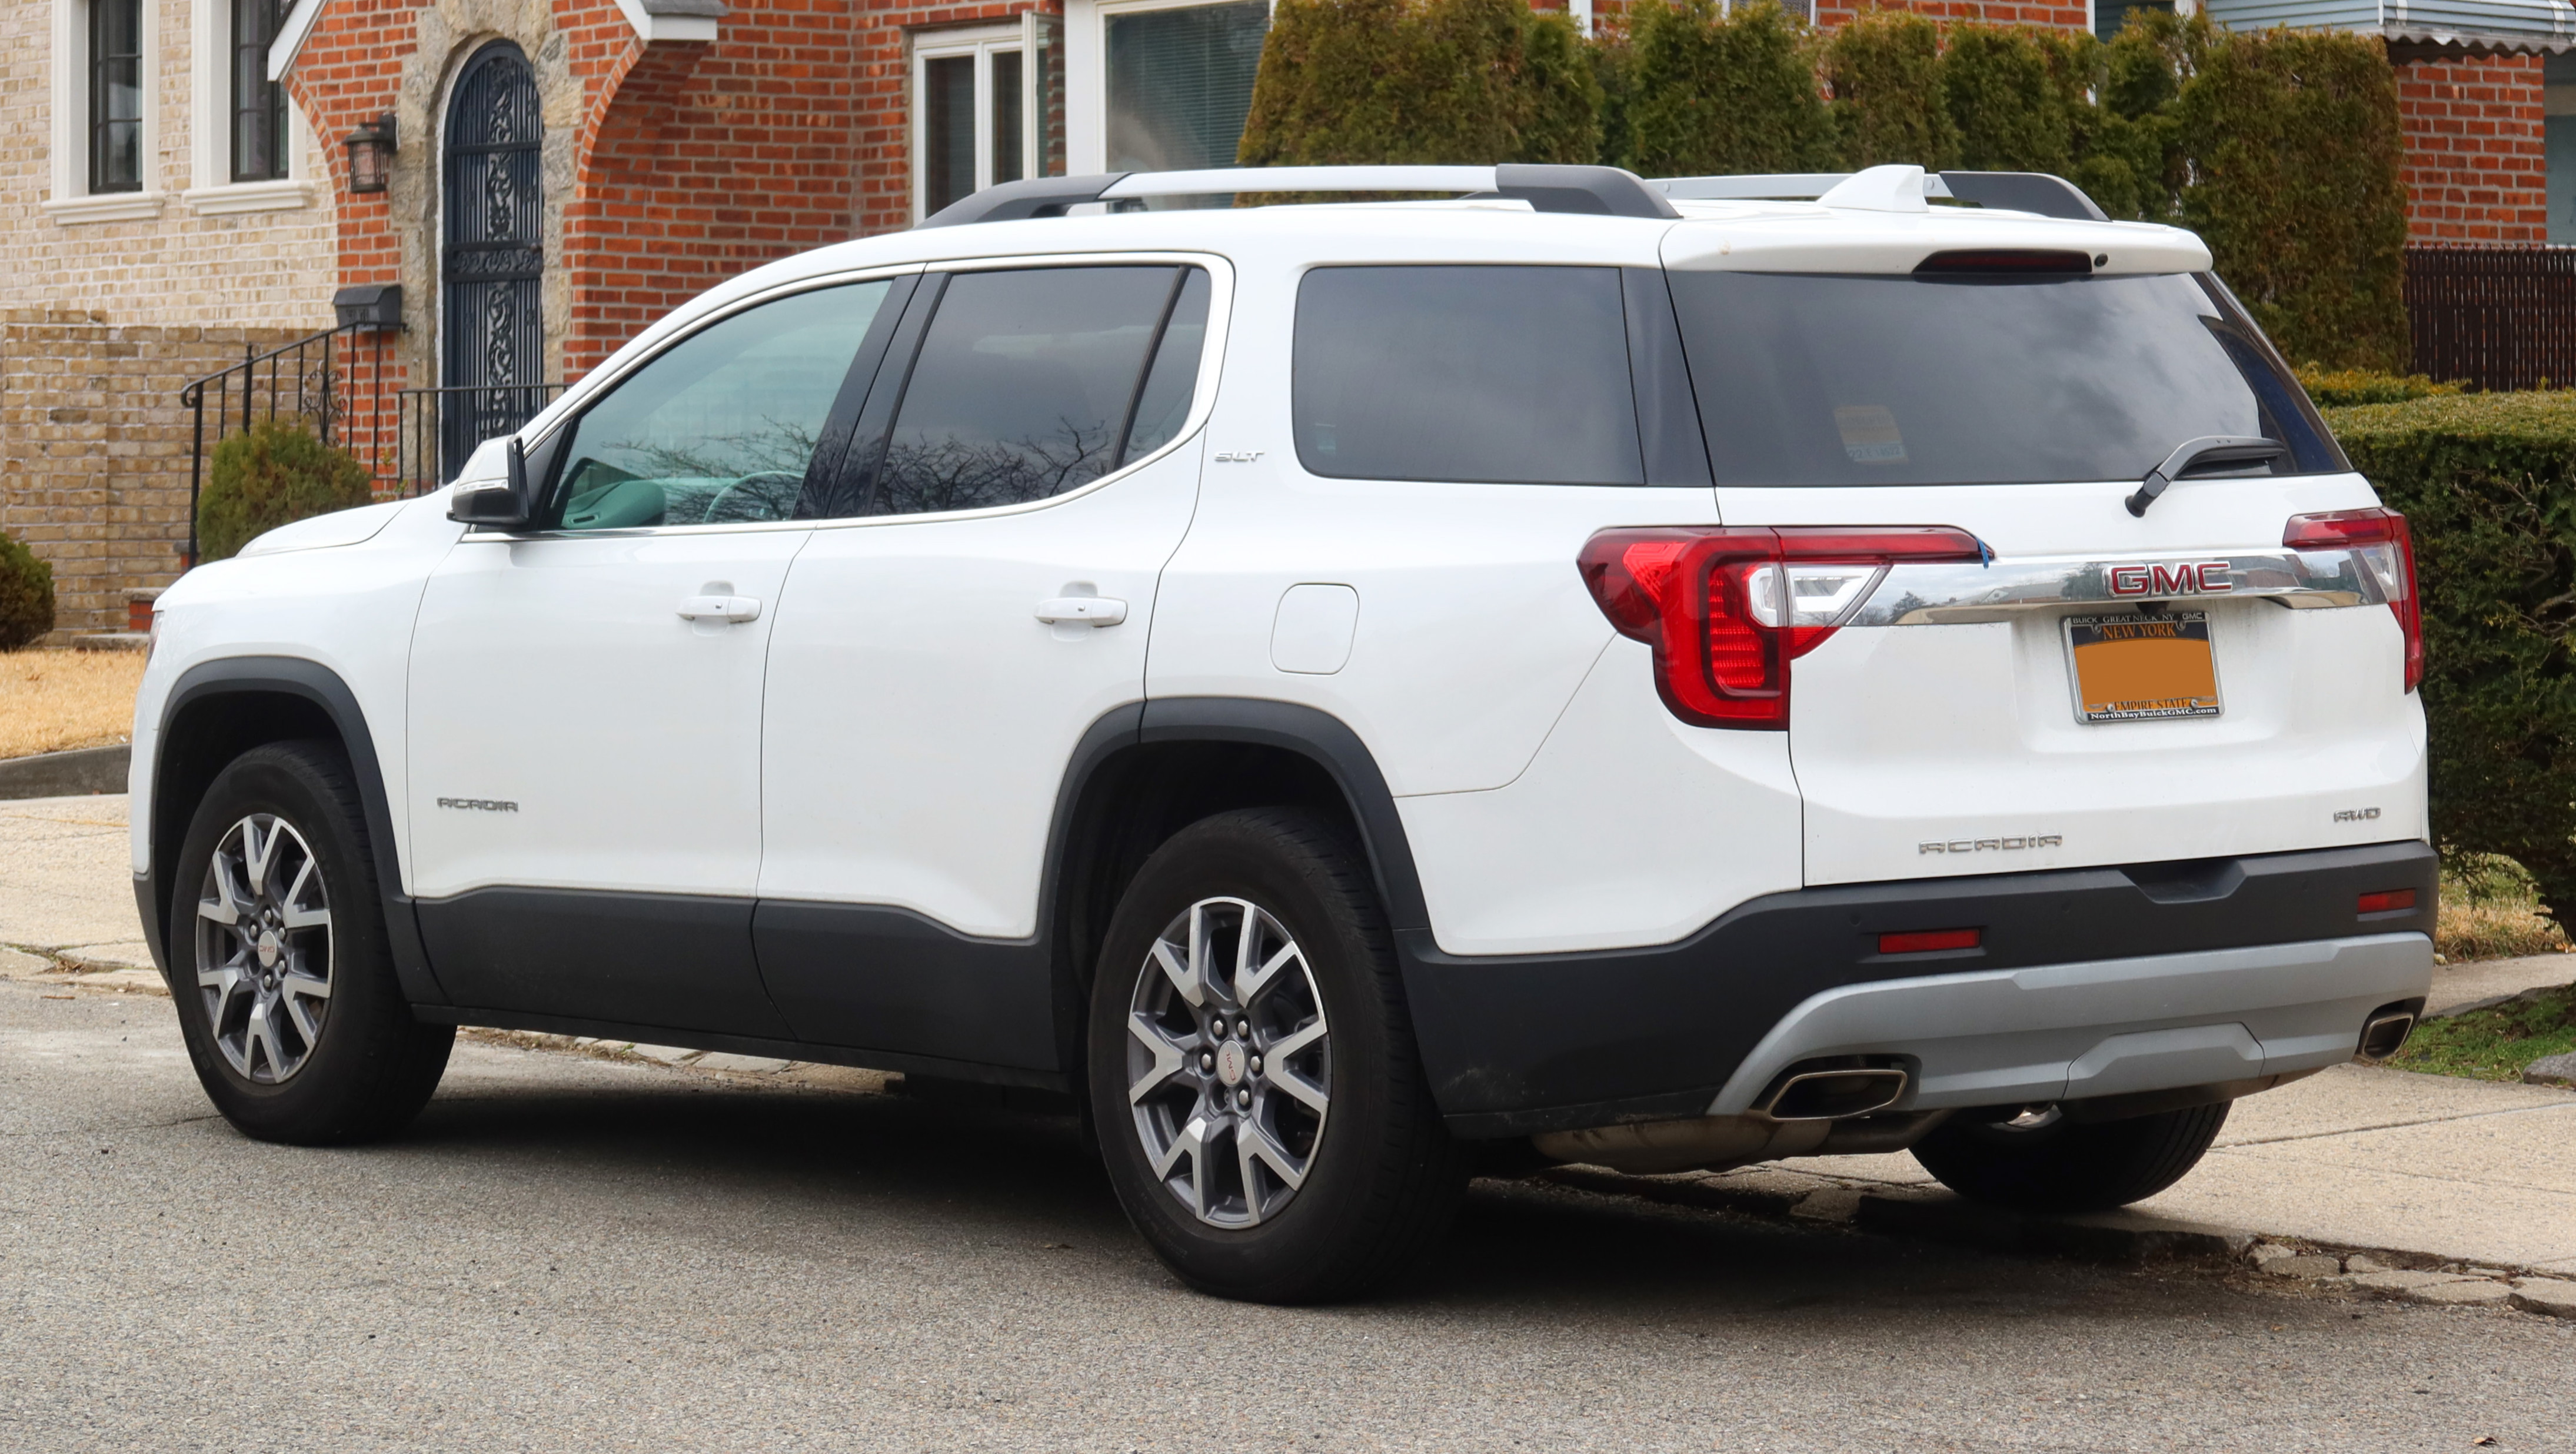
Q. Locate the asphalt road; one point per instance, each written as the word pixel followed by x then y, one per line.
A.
pixel 566 1253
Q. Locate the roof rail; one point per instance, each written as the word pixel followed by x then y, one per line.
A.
pixel 1595 191
pixel 2049 196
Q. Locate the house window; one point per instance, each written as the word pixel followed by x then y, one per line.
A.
pixel 988 108
pixel 259 133
pixel 1178 84
pixel 2111 16
pixel 116 95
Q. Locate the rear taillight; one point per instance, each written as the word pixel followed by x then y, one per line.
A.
pixel 1727 609
pixel 2380 539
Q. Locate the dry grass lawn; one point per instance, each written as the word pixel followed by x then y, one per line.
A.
pixel 51 701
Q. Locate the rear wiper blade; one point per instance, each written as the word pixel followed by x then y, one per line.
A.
pixel 2210 451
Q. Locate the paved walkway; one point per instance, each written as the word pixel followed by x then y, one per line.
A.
pixel 2427 1167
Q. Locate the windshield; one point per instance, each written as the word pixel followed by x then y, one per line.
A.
pixel 1869 380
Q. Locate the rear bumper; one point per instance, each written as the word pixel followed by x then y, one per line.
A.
pixel 2086 982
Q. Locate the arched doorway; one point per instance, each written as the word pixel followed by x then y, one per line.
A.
pixel 491 310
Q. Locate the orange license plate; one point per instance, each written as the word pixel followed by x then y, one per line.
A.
pixel 2136 667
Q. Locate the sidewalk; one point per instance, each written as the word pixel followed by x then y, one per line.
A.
pixel 2420 1170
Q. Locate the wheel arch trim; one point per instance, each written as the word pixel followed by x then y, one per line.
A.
pixel 291 676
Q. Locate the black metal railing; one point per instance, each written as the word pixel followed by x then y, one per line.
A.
pixel 299 380
pixel 437 429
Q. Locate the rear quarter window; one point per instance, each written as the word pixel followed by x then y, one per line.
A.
pixel 1476 374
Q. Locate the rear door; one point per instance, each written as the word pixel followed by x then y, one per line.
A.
pixel 2105 687
pixel 981 600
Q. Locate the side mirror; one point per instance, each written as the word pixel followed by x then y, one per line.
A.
pixel 502 502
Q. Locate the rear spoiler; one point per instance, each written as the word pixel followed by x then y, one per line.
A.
pixel 2040 192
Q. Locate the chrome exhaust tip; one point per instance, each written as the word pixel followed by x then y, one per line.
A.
pixel 1834 1095
pixel 2385 1035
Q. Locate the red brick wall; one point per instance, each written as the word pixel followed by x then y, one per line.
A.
pixel 2476 164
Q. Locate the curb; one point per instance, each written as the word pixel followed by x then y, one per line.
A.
pixel 66 774
pixel 2125 1238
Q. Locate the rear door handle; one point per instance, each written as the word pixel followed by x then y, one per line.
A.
pixel 720 608
pixel 1082 610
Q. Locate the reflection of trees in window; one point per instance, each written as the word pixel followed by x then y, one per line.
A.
pixel 950 473
pixel 778 446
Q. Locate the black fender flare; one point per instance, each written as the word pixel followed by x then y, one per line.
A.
pixel 313 682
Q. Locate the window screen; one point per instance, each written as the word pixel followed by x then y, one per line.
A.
pixel 1505 375
pixel 718 428
pixel 1026 383
pixel 1180 85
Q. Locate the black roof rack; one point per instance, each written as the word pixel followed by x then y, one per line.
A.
pixel 1593 191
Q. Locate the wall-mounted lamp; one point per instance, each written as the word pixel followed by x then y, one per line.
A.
pixel 371 150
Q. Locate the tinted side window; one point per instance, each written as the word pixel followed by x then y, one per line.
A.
pixel 720 426
pixel 1024 387
pixel 1506 375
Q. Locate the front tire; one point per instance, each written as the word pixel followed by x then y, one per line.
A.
pixel 1252 1073
pixel 279 961
pixel 2042 1162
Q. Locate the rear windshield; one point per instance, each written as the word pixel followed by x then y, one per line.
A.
pixel 1853 380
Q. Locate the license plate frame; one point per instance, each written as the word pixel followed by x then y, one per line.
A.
pixel 2161 684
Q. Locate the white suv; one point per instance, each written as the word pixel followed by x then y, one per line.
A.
pixel 1650 674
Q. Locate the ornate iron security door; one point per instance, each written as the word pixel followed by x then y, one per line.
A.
pixel 493 321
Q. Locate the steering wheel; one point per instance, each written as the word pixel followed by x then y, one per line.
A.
pixel 717 512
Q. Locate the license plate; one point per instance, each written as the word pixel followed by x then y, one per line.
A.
pixel 2135 667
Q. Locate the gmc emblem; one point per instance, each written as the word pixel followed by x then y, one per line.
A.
pixel 2187 578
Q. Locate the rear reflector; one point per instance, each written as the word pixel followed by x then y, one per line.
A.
pixel 2387 551
pixel 1727 610
pixel 2387 901
pixel 1924 941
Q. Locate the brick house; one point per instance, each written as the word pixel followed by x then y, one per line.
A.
pixel 178 183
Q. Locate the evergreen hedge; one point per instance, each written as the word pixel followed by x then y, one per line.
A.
pixel 2279 147
pixel 2487 483
pixel 26 595
pixel 1393 82
pixel 274 473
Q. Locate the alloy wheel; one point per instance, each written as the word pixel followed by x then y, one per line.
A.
pixel 1229 1062
pixel 264 949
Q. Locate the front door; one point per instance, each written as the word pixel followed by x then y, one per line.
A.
pixel 586 695
pixel 945 647
pixel 491 312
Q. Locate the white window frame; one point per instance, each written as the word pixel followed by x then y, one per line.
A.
pixel 1086 74
pixel 70 200
pixel 981 42
pixel 212 192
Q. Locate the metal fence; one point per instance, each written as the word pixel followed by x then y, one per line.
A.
pixel 439 428
pixel 302 380
pixel 2501 317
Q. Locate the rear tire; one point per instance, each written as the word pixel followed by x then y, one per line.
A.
pixel 1302 1162
pixel 279 961
pixel 2069 1166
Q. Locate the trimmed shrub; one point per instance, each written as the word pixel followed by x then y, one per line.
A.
pixel 274 474
pixel 26 595
pixel 2337 388
pixel 2485 483
pixel 1884 69
pixel 2011 99
pixel 1713 93
pixel 1419 81
pixel 2294 151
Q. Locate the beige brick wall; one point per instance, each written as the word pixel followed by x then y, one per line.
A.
pixel 101 323
pixel 94 448
pixel 186 267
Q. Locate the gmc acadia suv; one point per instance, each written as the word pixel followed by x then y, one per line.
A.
pixel 1658 675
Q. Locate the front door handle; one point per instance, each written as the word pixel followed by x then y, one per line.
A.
pixel 736 609
pixel 1082 610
